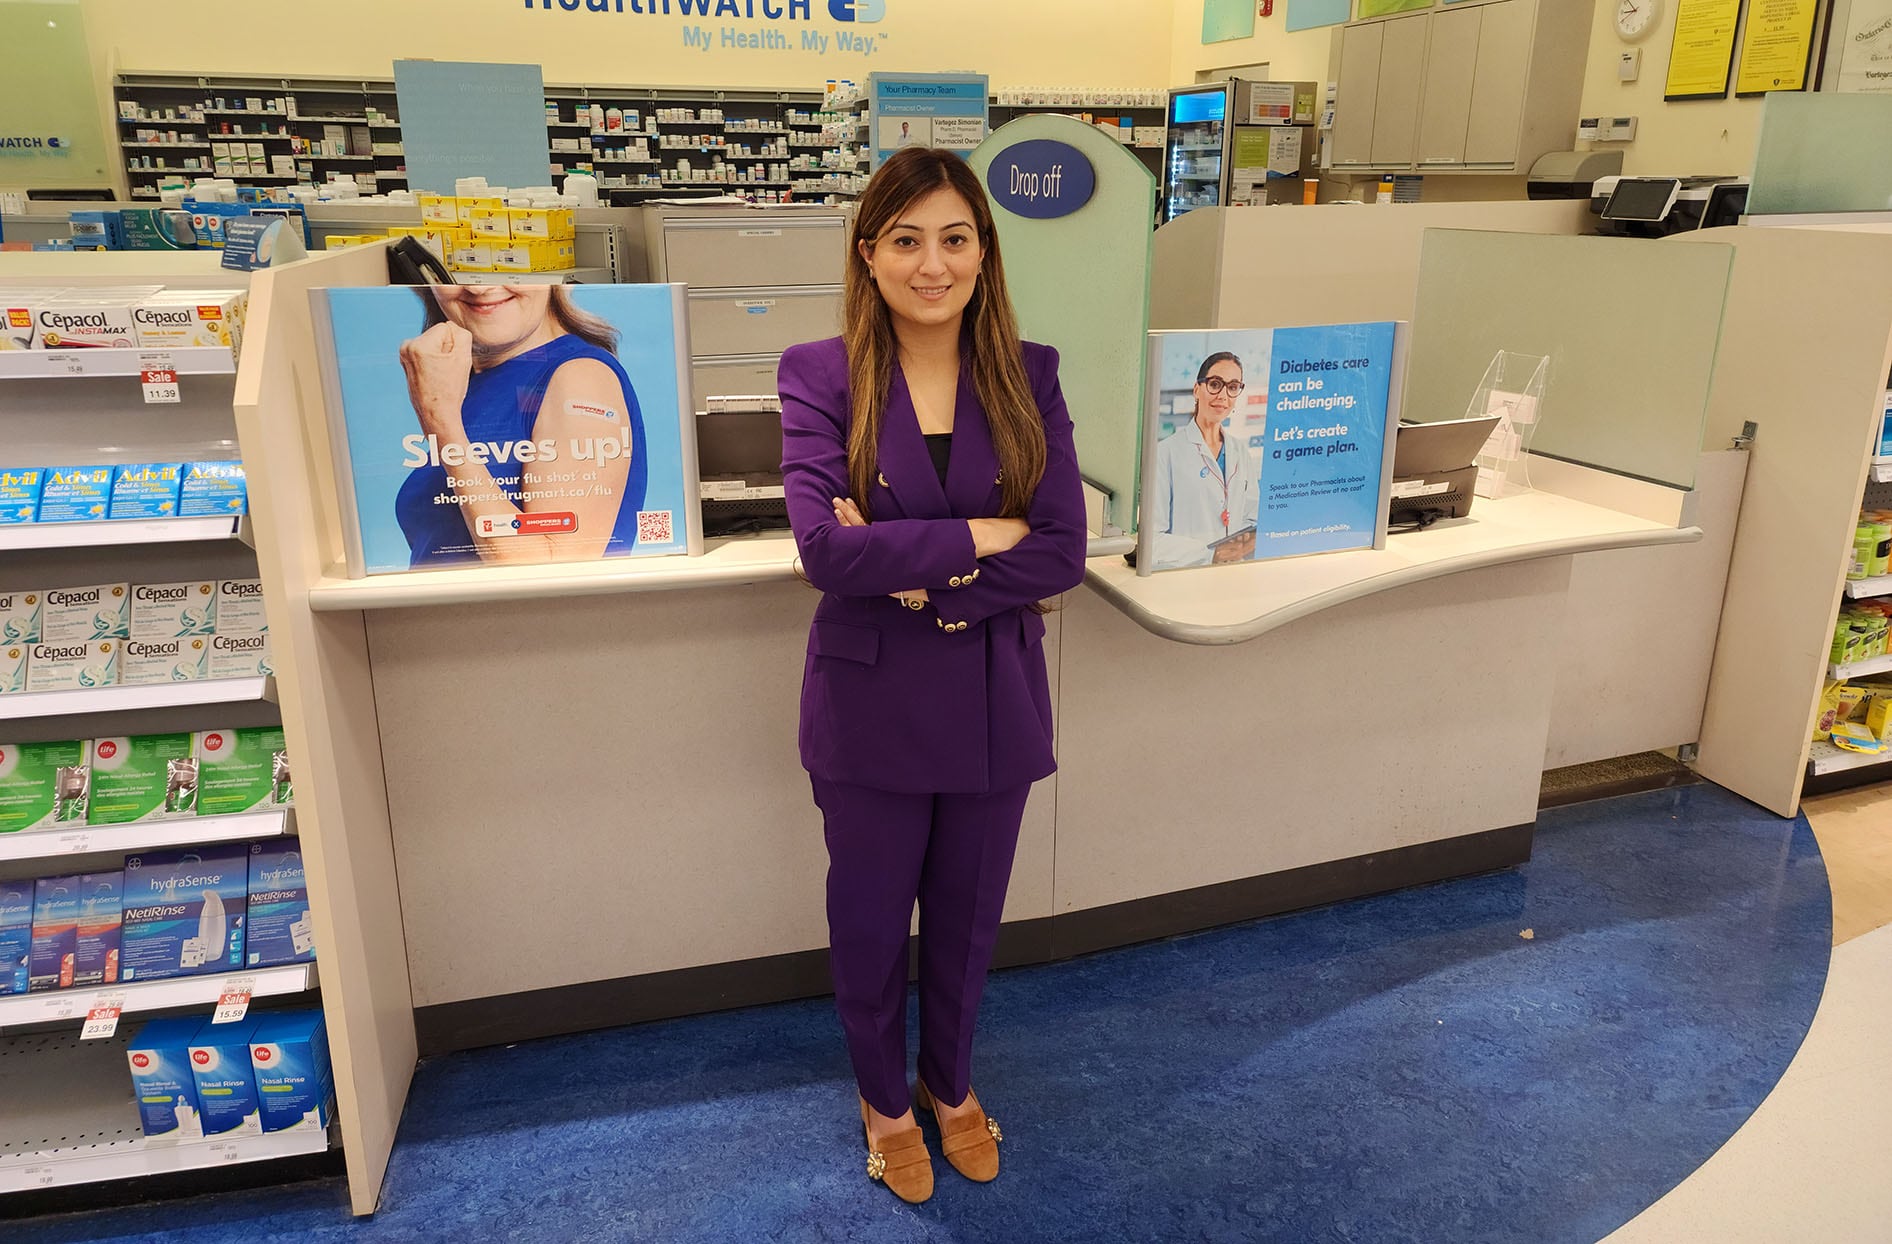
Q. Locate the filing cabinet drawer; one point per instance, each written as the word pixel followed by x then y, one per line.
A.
pixel 721 377
pixel 745 253
pixel 761 321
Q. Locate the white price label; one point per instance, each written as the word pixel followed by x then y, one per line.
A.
pixel 234 1002
pixel 158 375
pixel 39 1176
pixel 102 1020
pixel 72 844
pixel 66 364
pixel 224 1151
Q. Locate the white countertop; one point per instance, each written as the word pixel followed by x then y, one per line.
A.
pixel 1230 604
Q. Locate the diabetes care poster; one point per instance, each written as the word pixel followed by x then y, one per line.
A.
pixel 1265 443
pixel 510 424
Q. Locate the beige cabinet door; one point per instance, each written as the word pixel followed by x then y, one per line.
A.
pixel 1445 108
pixel 1355 95
pixel 1499 82
pixel 1402 71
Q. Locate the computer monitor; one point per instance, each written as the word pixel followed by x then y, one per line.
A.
pixel 1727 202
pixel 89 195
pixel 1646 199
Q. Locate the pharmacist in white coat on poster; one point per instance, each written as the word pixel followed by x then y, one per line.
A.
pixel 1204 491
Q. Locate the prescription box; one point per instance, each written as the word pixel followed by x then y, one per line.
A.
pixel 19 494
pixel 73 614
pixel 240 656
pixel 294 1082
pixel 146 490
pixel 142 662
pixel 72 666
pixel 172 610
pixel 533 256
pixel 278 929
pixel 542 222
pixel 185 319
pixel 101 910
pixel 20 616
pixel 240 770
pixel 16 935
pixel 490 222
pixel 210 488
pixel 88 322
pixel 75 494
pixel 439 209
pixel 184 912
pixel 44 785
pixel 141 778
pixel 55 949
pixel 226 1081
pixel 472 257
pixel 161 1080
pixel 12 666
pixel 240 607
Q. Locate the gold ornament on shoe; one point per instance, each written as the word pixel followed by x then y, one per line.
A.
pixel 876 1164
pixel 992 1126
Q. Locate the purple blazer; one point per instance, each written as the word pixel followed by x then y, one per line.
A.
pixel 952 698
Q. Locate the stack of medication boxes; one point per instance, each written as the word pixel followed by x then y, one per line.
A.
pixel 121 634
pixel 127 779
pixel 145 317
pixel 480 233
pixel 268 1073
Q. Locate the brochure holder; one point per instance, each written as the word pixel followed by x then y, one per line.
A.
pixel 1513 388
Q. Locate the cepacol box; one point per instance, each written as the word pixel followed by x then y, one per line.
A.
pixel 86 322
pixel 19 316
pixel 183 318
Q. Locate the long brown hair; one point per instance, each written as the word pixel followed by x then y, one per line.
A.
pixel 998 362
pixel 581 324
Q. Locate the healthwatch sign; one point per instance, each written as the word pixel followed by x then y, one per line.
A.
pixel 785 25
pixel 741 10
pixel 1041 179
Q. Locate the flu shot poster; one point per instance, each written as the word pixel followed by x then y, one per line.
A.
pixel 508 424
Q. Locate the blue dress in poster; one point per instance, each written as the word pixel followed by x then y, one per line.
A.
pixel 512 424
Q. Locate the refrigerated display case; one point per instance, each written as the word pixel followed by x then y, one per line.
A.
pixel 1195 149
pixel 1238 142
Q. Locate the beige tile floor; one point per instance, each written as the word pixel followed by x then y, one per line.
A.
pixel 1814 1163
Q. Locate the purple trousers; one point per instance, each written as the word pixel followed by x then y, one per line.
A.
pixel 951 853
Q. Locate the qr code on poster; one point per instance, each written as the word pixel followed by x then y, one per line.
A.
pixel 654 527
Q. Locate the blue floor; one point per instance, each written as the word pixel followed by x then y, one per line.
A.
pixel 1408 1067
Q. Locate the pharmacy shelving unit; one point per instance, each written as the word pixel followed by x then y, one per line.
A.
pixel 1148 117
pixel 1799 292
pixel 66 1112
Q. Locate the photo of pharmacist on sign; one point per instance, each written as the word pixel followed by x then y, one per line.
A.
pixel 1202 499
pixel 519 366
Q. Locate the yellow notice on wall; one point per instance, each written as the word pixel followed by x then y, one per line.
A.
pixel 1703 50
pixel 1777 46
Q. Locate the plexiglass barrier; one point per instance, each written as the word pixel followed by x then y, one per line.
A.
pixel 1823 153
pixel 1630 328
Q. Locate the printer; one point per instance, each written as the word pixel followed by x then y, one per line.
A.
pixel 1655 207
pixel 1571 174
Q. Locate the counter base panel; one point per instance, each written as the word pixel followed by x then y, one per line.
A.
pixel 591 1005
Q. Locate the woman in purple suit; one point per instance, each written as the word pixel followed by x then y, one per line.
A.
pixel 934 494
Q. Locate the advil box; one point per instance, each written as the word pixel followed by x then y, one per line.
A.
pixel 161 1080
pixel 226 1083
pixel 75 494
pixel 100 912
pixel 184 912
pixel 19 494
pixel 294 1084
pixel 278 929
pixel 212 488
pixel 145 490
pixel 16 935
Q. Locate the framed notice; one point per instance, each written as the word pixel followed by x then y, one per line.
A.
pixel 1385 8
pixel 1702 55
pixel 1777 46
pixel 500 425
pixel 1860 46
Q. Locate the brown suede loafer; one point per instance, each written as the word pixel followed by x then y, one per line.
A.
pixel 901 1162
pixel 970 1142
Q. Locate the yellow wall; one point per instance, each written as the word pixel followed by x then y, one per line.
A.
pixel 1299 57
pixel 1016 42
pixel 1694 136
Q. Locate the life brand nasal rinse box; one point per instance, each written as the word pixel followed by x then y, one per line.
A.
pixel 161 1080
pixel 184 912
pixel 226 1082
pixel 294 1082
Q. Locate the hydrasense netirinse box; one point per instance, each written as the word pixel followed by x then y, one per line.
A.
pixel 278 929
pixel 55 933
pixel 44 785
pixel 101 912
pixel 184 912
pixel 16 935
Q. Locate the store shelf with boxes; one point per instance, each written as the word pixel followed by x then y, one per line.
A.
pixel 1135 118
pixel 150 861
pixel 1853 735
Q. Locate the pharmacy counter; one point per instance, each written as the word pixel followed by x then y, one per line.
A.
pixel 1232 604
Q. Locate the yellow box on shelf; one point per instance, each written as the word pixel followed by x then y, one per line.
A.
pixel 468 204
pixel 491 222
pixel 535 255
pixel 472 256
pixel 337 241
pixel 542 222
pixel 439 209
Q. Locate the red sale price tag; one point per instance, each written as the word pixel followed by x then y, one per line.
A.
pixel 102 1020
pixel 234 1002
pixel 159 378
